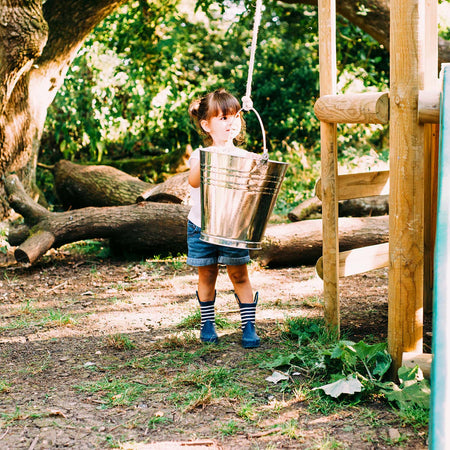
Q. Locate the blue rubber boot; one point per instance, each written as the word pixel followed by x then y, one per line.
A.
pixel 208 331
pixel 248 312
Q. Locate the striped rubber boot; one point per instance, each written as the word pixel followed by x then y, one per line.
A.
pixel 208 331
pixel 248 311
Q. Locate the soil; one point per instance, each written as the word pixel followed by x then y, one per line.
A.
pixel 73 321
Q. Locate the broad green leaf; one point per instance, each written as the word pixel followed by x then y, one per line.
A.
pixel 367 351
pixel 281 360
pixel 383 362
pixel 416 394
pixel 407 373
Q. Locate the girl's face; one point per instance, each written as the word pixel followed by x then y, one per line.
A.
pixel 219 127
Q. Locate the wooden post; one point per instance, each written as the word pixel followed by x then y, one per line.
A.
pixel 429 73
pixel 328 143
pixel 406 206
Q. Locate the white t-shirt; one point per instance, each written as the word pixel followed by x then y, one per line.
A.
pixel 195 214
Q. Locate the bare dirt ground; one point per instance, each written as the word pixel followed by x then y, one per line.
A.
pixel 92 356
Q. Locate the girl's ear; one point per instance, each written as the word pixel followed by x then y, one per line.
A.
pixel 205 125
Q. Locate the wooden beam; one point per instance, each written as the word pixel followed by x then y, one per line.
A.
pixel 429 106
pixel 359 260
pixel 358 185
pixel 368 107
pixel 406 202
pixel 328 144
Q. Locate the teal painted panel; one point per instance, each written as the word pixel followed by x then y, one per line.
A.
pixel 440 371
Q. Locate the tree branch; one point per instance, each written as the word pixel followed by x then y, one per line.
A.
pixel 374 18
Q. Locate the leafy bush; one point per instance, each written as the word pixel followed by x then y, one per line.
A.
pixel 127 93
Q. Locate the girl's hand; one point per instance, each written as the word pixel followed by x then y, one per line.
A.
pixel 194 174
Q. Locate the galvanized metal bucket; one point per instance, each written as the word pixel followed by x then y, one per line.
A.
pixel 238 195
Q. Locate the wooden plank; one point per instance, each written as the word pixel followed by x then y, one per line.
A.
pixel 328 143
pixel 405 304
pixel 432 90
pixel 359 260
pixel 368 107
pixel 357 185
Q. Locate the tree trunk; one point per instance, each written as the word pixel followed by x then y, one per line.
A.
pixel 143 228
pixel 38 41
pixel 300 243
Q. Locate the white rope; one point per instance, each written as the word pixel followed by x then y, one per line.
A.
pixel 247 103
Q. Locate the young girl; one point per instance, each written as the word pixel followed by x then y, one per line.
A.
pixel 213 115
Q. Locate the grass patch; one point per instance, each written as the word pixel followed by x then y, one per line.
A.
pixel 200 387
pixel 229 428
pixel 4 387
pixel 115 392
pixel 57 318
pixel 120 341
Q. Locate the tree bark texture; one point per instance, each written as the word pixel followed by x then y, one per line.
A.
pixel 355 207
pixel 79 186
pixel 38 41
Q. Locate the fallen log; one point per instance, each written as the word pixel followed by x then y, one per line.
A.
pixel 151 228
pixel 158 228
pixel 300 243
pixel 79 186
pixel 174 190
pixel 377 205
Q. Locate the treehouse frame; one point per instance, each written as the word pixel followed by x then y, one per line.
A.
pixel 412 108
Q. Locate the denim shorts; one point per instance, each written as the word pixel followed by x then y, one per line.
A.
pixel 205 254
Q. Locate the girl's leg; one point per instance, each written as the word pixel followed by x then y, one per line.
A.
pixel 207 276
pixel 241 282
pixel 206 295
pixel 247 305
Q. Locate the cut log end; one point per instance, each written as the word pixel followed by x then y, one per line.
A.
pixel 21 256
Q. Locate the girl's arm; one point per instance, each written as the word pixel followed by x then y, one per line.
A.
pixel 194 174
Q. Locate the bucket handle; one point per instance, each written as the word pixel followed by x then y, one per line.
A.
pixel 265 155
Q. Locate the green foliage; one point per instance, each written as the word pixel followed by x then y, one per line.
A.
pixel 90 247
pixel 355 370
pixel 412 392
pixel 127 93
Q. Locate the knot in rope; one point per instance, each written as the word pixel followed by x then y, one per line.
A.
pixel 247 103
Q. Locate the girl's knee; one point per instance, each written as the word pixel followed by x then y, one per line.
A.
pixel 238 274
pixel 208 273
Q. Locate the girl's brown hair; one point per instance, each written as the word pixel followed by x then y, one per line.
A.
pixel 213 104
